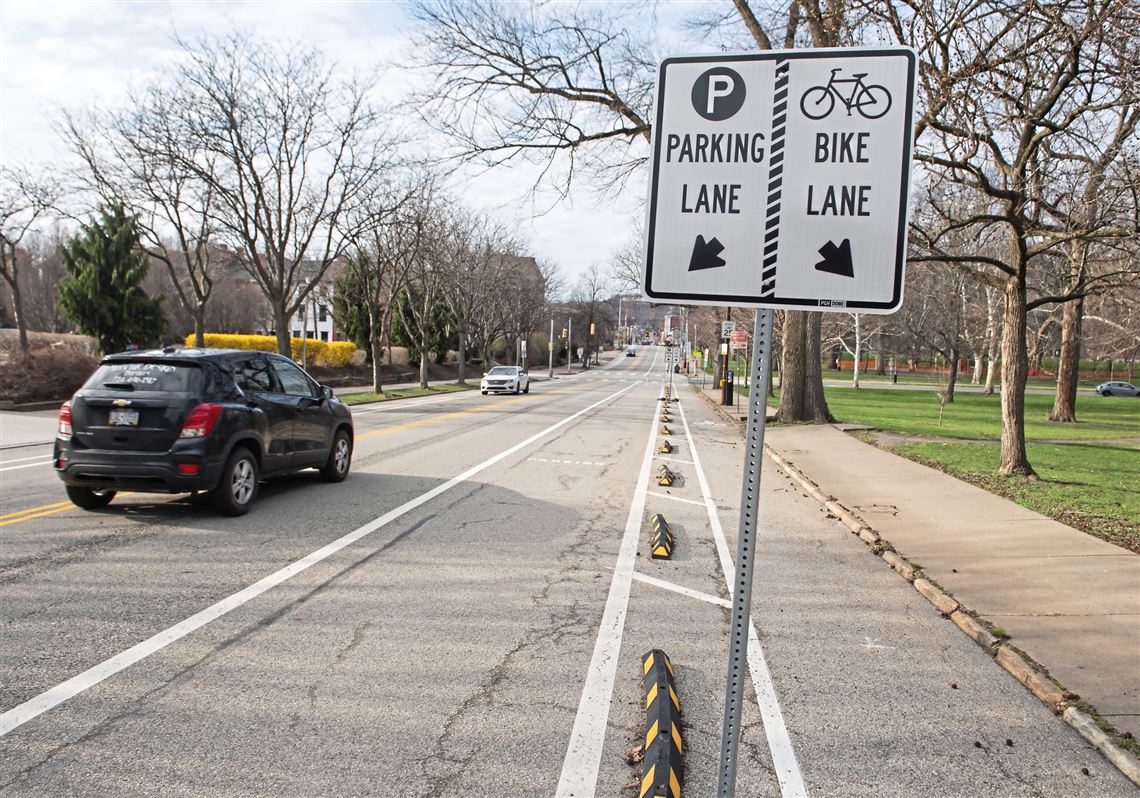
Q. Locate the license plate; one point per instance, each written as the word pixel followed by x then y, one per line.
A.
pixel 124 418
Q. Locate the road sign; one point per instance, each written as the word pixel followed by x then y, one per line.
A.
pixel 739 339
pixel 727 328
pixel 780 179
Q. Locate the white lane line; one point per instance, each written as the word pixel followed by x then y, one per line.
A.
pixel 674 460
pixel 6 462
pixel 29 465
pixel 779 742
pixel 579 775
pixel 675 498
pixel 21 714
pixel 684 591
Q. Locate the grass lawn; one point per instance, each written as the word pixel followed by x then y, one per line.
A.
pixel 403 393
pixel 977 417
pixel 1091 483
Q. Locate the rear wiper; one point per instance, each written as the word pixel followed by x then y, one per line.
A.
pixel 119 386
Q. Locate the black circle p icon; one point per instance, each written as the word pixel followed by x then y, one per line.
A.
pixel 718 94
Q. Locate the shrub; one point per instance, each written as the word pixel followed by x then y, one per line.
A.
pixel 333 355
pixel 45 374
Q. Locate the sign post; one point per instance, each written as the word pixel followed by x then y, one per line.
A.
pixel 779 179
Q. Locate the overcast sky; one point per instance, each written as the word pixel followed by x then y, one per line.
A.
pixel 77 54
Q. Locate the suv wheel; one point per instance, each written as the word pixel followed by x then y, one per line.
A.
pixel 340 457
pixel 89 499
pixel 527 389
pixel 238 487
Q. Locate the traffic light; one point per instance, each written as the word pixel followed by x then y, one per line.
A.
pixel 564 333
pixel 591 328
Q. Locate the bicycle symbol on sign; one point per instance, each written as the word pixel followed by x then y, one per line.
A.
pixel 870 101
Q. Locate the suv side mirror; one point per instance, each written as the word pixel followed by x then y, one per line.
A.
pixel 326 392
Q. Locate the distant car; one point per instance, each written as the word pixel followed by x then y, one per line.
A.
pixel 505 379
pixel 631 352
pixel 211 420
pixel 1118 389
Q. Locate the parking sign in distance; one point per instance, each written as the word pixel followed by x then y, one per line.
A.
pixel 780 179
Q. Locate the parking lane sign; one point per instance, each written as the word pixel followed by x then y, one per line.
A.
pixel 781 179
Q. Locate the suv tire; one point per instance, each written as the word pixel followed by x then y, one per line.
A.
pixel 527 389
pixel 89 499
pixel 237 488
pixel 340 457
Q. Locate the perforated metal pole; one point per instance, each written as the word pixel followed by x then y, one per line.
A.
pixel 745 557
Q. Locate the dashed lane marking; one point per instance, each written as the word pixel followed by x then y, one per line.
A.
pixel 567 462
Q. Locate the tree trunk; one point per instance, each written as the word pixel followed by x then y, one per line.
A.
pixel 281 321
pixel 200 326
pixel 1014 373
pixel 461 376
pixel 976 377
pixel 991 341
pixel 18 312
pixel 801 379
pixel 952 379
pixel 376 345
pixel 1068 366
pixel 815 403
pixel 880 361
pixel 792 372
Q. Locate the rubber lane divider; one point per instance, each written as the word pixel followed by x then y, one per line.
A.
pixel 661 544
pixel 666 448
pixel 665 430
pixel 661 772
pixel 665 476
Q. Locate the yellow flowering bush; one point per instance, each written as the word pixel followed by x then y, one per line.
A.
pixel 333 355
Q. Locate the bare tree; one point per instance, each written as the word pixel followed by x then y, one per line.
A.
pixel 522 81
pixel 1003 87
pixel 288 154
pixel 24 199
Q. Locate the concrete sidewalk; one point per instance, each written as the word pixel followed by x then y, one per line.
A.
pixel 1067 599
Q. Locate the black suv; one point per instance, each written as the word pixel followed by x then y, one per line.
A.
pixel 215 420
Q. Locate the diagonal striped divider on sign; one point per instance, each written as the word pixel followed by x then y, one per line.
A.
pixel 661 773
pixel 775 179
pixel 661 544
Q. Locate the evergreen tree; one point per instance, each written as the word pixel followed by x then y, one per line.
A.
pixel 104 295
pixel 350 307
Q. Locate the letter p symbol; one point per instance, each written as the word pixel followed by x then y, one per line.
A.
pixel 718 94
pixel 719 86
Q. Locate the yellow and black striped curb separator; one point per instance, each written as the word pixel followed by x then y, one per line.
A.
pixel 665 476
pixel 666 448
pixel 661 768
pixel 665 430
pixel 661 544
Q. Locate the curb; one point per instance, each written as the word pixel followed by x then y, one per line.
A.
pixel 1033 676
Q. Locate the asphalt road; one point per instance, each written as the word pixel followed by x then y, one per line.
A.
pixel 466 616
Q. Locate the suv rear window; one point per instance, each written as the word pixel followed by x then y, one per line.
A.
pixel 146 376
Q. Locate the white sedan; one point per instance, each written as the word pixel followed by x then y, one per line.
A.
pixel 1117 389
pixel 505 379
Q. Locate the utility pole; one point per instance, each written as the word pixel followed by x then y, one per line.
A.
pixel 570 345
pixel 550 347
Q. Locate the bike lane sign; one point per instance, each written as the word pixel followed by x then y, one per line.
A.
pixel 780 179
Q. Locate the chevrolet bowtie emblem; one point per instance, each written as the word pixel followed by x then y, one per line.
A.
pixel 121 402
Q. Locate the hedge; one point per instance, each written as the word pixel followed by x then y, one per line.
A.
pixel 330 354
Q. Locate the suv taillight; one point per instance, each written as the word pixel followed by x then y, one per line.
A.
pixel 200 422
pixel 65 421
